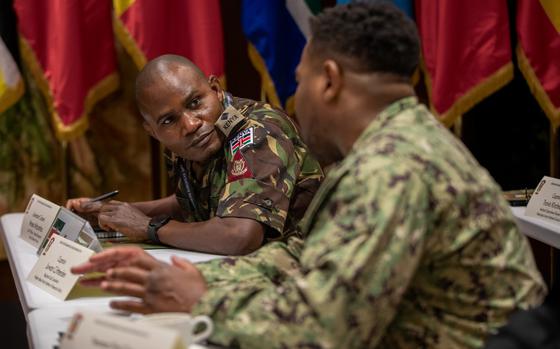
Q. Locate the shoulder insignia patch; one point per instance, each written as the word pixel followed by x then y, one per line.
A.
pixel 238 168
pixel 228 120
pixel 243 139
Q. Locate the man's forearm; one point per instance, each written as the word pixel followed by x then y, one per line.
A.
pixel 227 236
pixel 165 206
pixel 245 312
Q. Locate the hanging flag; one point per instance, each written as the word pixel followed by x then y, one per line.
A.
pixel 11 83
pixel 189 28
pixel 277 31
pixel 466 52
pixel 68 47
pixel 538 52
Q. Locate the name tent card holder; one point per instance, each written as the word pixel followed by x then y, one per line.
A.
pixel 52 273
pixel 91 330
pixel 545 201
pixel 37 221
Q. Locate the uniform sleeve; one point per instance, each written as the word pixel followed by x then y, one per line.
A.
pixel 355 266
pixel 261 173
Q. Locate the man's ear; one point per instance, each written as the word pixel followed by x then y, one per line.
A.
pixel 215 85
pixel 333 80
pixel 148 129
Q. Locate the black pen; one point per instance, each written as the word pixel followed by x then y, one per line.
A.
pixel 105 196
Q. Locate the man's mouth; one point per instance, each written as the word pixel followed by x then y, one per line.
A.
pixel 202 140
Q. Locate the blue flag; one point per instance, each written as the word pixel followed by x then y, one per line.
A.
pixel 277 31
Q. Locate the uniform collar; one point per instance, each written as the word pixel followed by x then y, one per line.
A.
pixel 227 99
pixel 382 118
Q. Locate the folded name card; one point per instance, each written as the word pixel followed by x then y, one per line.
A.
pixel 38 218
pixel 52 273
pixel 91 330
pixel 43 218
pixel 545 202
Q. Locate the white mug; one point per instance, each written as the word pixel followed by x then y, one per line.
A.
pixel 183 323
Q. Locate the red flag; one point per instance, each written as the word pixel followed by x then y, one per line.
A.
pixel 466 52
pixel 68 45
pixel 538 52
pixel 189 28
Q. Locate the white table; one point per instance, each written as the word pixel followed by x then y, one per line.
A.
pixel 537 229
pixel 46 323
pixel 45 314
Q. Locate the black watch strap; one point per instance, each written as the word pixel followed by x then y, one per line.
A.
pixel 154 225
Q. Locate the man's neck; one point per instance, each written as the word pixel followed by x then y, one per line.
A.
pixel 364 108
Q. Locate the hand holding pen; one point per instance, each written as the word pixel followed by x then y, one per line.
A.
pixel 89 205
pixel 104 196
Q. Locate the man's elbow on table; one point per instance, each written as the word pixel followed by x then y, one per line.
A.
pixel 245 238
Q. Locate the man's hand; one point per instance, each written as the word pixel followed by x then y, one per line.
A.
pixel 85 208
pixel 117 257
pixel 160 287
pixel 83 205
pixel 125 218
pixel 167 288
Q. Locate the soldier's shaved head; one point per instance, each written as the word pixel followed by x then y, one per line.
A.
pixel 159 68
pixel 179 105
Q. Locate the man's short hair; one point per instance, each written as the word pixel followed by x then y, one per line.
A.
pixel 377 36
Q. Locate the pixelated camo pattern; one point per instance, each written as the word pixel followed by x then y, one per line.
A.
pixel 408 244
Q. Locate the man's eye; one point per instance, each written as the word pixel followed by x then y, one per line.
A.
pixel 167 121
pixel 193 104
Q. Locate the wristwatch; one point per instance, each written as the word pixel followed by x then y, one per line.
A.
pixel 154 225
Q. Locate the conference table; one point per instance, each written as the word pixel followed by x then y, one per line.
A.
pixel 46 315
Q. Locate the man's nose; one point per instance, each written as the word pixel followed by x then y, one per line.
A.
pixel 190 123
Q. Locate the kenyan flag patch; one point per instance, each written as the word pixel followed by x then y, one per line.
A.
pixel 243 139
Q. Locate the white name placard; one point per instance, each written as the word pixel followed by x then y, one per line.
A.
pixel 52 273
pixel 91 330
pixel 545 202
pixel 39 216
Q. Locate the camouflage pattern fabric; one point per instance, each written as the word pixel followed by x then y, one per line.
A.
pixel 265 172
pixel 408 244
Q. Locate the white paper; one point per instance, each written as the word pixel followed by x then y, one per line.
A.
pixel 545 201
pixel 91 330
pixel 52 273
pixel 39 216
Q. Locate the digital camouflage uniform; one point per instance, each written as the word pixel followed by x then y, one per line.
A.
pixel 408 244
pixel 264 173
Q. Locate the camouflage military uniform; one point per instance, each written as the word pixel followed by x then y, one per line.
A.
pixel 264 172
pixel 408 245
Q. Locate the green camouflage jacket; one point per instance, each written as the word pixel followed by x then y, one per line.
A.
pixel 408 244
pixel 264 172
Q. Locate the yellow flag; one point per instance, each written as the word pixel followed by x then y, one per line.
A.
pixel 11 84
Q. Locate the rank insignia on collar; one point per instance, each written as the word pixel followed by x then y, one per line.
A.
pixel 238 168
pixel 243 139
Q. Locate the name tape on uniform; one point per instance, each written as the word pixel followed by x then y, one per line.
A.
pixel 228 120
